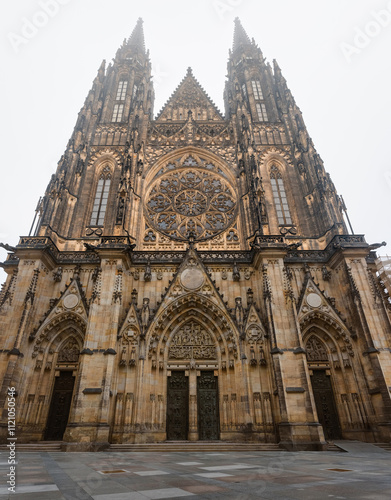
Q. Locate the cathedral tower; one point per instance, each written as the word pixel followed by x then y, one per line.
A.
pixel 191 276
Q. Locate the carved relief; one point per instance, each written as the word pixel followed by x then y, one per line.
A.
pixel 69 353
pixel 192 342
pixel 316 350
pixel 129 345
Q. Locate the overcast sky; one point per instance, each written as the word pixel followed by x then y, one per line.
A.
pixel 335 55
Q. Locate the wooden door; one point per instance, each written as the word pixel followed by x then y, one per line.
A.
pixel 177 406
pixel 60 406
pixel 208 406
pixel 325 404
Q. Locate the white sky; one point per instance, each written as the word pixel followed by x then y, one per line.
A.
pixel 346 106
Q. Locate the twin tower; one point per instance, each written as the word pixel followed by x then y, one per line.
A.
pixel 191 278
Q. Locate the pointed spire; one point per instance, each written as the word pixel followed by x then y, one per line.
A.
pixel 136 39
pixel 240 36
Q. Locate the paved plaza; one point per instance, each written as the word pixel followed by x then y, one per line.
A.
pixel 362 472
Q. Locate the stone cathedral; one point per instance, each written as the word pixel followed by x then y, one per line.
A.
pixel 190 276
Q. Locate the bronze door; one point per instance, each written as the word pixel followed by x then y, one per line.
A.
pixel 325 404
pixel 177 406
pixel 59 407
pixel 208 406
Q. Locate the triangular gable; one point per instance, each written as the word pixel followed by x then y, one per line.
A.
pixel 255 331
pixel 192 288
pixel 191 277
pixel 131 326
pixel 71 303
pixel 129 336
pixel 312 299
pixel 189 95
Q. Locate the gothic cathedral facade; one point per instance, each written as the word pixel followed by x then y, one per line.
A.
pixel 191 276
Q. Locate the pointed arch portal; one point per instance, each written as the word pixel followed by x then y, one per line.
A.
pixel 318 359
pixel 64 382
pixel 192 395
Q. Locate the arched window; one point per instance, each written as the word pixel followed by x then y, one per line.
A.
pixel 259 101
pixel 101 197
pixel 118 109
pixel 279 196
pixel 121 91
pixel 134 92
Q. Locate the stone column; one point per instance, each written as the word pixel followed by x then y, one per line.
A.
pixel 193 407
pixel 299 427
pixel 89 426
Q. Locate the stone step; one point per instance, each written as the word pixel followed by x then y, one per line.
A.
pixel 384 446
pixel 333 447
pixel 190 446
pixel 36 447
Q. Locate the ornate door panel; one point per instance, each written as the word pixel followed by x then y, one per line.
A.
pixel 59 407
pixel 325 404
pixel 177 406
pixel 208 406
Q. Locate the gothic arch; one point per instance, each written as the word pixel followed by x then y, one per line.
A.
pixel 102 191
pixel 192 324
pixel 57 331
pixel 104 157
pixel 333 334
pixel 281 161
pixel 182 154
pixel 278 155
pixel 205 312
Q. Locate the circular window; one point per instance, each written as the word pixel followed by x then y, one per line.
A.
pixel 191 200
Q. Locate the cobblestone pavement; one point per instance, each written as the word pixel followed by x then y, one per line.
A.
pixel 363 472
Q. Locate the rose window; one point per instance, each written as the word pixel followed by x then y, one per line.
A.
pixel 191 200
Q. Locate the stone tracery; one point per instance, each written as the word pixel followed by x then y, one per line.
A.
pixel 191 200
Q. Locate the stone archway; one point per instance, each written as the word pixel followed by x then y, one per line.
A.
pixel 211 348
pixel 192 394
pixel 318 361
pixel 61 399
pixel 56 355
pixel 343 370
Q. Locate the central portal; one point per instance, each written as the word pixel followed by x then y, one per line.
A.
pixel 178 401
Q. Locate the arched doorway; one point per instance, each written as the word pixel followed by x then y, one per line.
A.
pixel 318 362
pixel 61 400
pixel 192 385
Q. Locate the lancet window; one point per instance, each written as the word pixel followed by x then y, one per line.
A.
pixel 101 197
pixel 279 196
pixel 259 101
pixel 121 91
